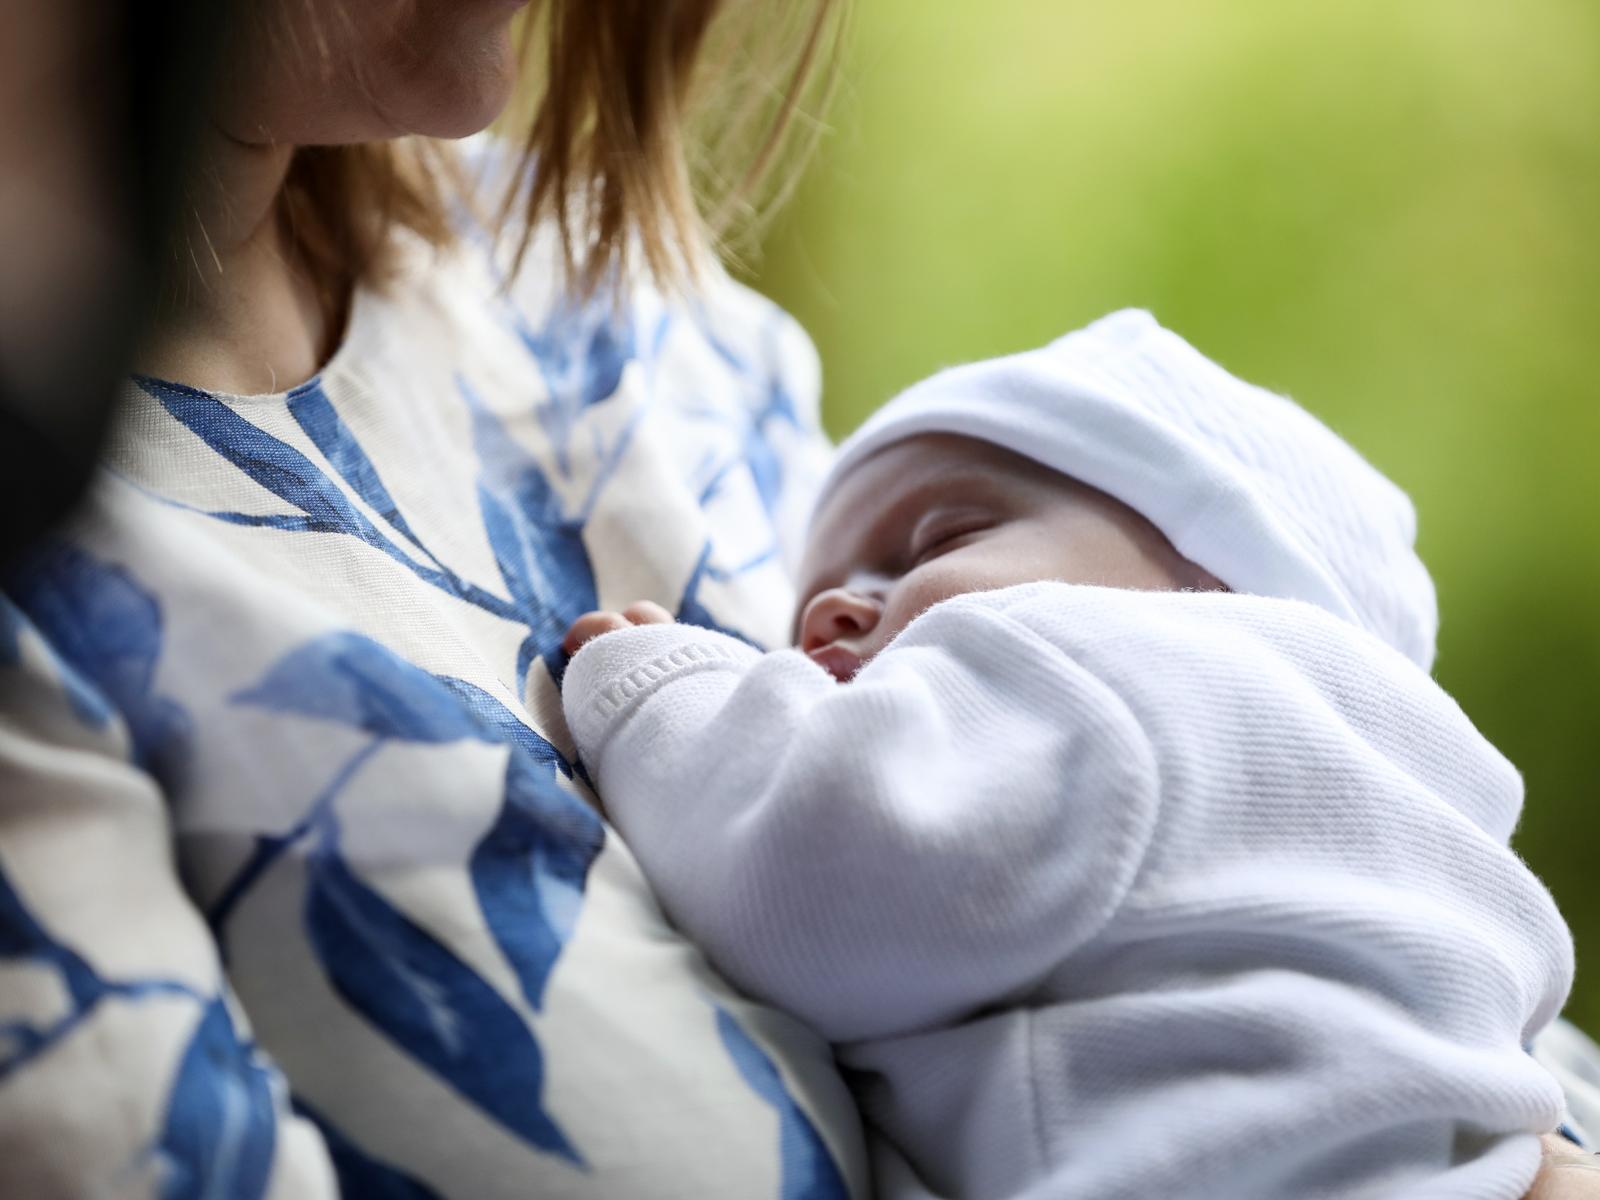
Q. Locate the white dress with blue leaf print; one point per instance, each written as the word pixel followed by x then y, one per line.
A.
pixel 300 895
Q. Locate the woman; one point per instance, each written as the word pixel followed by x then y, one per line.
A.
pixel 281 706
pixel 298 890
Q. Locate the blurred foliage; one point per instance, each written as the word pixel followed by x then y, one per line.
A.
pixel 1387 211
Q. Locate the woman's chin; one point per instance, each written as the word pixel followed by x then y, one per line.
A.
pixel 438 68
pixel 458 99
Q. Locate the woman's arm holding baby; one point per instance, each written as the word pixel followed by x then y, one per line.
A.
pixel 1566 1172
pixel 877 856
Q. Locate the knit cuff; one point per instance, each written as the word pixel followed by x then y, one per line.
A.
pixel 616 672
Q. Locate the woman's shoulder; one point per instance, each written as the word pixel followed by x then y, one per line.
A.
pixel 710 323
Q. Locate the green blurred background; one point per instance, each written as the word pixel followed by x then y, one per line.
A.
pixel 1386 210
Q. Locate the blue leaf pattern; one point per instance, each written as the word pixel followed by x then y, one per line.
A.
pixel 809 1172
pixel 220 1131
pixel 105 629
pixel 768 403
pixel 23 939
pixel 581 351
pixel 766 468
pixel 497 723
pixel 314 412
pixel 537 545
pixel 528 870
pixel 353 680
pixel 273 464
pixel 362 1177
pixel 692 612
pixel 271 847
pixel 294 478
pixel 433 1006
pixel 220 1124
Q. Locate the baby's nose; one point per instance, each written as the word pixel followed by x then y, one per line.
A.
pixel 837 615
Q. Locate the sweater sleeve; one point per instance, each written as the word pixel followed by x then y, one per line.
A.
pixel 880 856
pixel 125 1062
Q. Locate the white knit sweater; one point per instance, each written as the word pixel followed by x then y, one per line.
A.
pixel 1108 893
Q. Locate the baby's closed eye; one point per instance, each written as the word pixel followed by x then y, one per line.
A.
pixel 943 530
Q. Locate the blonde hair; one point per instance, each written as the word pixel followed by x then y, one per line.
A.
pixel 655 125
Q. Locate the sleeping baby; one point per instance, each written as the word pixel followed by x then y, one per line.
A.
pixel 1106 799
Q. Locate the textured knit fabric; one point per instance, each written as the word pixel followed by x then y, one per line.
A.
pixel 1108 893
pixel 299 894
pixel 1243 482
pixel 1573 1058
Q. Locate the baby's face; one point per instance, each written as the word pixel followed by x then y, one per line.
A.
pixel 940 515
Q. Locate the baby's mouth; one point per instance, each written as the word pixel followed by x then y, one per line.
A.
pixel 836 661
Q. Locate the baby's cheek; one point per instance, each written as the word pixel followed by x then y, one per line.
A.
pixel 981 567
pixel 925 587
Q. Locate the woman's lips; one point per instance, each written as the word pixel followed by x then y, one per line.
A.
pixel 836 661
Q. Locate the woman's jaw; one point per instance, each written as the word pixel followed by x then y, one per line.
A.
pixel 339 74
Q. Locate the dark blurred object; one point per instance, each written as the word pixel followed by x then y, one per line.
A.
pixel 100 105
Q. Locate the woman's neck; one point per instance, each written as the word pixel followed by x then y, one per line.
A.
pixel 242 314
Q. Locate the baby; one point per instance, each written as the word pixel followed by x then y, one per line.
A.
pixel 1106 800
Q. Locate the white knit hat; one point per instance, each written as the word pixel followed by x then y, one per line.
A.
pixel 1243 482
